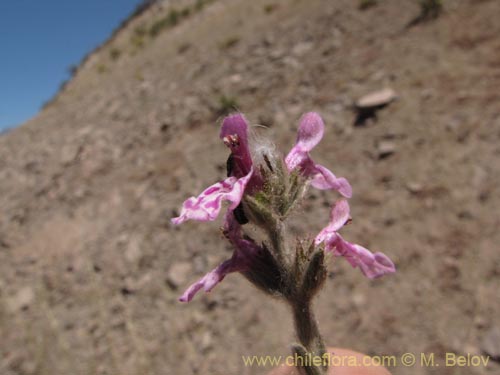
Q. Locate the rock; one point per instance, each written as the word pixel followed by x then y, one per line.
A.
pixel 368 105
pixel 276 53
pixel 490 343
pixel 300 49
pixel 414 187
pixel 69 153
pixel 385 149
pixel 21 300
pixel 479 321
pixel 177 275
pixel 358 300
pixel 235 78
pixel 133 251
pixel 206 343
pixel 427 93
pixel 292 62
pixel 376 99
pixel 132 285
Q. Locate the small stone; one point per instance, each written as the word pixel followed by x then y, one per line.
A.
pixel 376 99
pixel 177 275
pixel 479 322
pixel 235 78
pixel 21 300
pixel 358 300
pixel 385 149
pixel 427 93
pixel 206 342
pixel 378 76
pixel 132 285
pixel 300 49
pixel 133 251
pixel 69 154
pixel 414 187
pixel 276 53
pixel 291 62
pixel 490 344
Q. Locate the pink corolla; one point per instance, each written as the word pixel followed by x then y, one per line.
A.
pixel 310 133
pixel 207 205
pixel 371 264
pixel 246 254
pixel 234 134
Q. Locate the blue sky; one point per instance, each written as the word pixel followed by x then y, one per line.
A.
pixel 40 40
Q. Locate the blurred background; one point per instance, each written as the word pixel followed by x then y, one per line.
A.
pixel 132 95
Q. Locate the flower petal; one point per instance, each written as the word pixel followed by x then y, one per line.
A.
pixel 207 205
pixel 339 214
pixel 245 253
pixel 310 131
pixel 330 238
pixel 234 133
pixel 235 125
pixel 297 158
pixel 338 217
pixel 324 179
pixel 210 280
pixel 372 265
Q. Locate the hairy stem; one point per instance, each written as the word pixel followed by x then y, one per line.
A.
pixel 308 333
pixel 277 236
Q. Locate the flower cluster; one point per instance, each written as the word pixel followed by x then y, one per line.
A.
pixel 253 190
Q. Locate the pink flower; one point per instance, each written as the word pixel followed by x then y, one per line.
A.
pixel 234 133
pixel 245 254
pixel 310 132
pixel 372 265
pixel 207 205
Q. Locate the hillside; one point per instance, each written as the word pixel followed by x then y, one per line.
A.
pixel 91 268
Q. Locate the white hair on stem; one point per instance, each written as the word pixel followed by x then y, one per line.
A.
pixel 261 147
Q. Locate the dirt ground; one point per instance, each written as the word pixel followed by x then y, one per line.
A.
pixel 91 268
